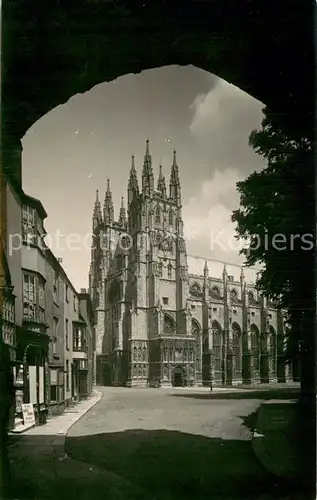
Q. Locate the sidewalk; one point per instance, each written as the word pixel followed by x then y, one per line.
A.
pixel 280 438
pixel 57 426
pixel 41 469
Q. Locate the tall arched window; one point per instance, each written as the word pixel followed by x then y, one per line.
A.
pixel 272 346
pixel 157 215
pixel 215 293
pixel 255 346
pixel 237 346
pixel 217 344
pixel 169 271
pixel 170 218
pixel 160 269
pixel 233 295
pixel 169 325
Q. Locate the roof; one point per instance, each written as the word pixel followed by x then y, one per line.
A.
pixel 215 267
pixel 35 203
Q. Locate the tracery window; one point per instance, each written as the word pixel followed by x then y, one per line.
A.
pixel 217 345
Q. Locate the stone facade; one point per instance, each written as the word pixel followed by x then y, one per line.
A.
pixel 167 318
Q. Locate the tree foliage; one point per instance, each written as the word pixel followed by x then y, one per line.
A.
pixel 277 216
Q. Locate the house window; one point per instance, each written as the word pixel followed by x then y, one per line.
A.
pixel 66 333
pixel 67 375
pixel 55 287
pixel 79 339
pixel 28 224
pixel 8 326
pixel 53 393
pixel 165 301
pixel 214 309
pixel 67 293
pixel 55 328
pixel 75 306
pixel 29 296
pixel 33 298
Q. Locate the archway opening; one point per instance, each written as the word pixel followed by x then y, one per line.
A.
pixel 178 377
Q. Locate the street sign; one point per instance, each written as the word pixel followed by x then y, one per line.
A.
pixel 28 414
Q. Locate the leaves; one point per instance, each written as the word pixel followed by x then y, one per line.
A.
pixel 276 215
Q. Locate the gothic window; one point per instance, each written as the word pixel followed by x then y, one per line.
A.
pixel 237 346
pixel 251 298
pixel 119 262
pixel 272 346
pixel 144 354
pixel 135 355
pixel 215 292
pixel 195 290
pixel 160 269
pixel 217 344
pixel 170 218
pixel 255 347
pixel 169 271
pixel 233 295
pixel 157 215
pixel 195 328
pixel 169 326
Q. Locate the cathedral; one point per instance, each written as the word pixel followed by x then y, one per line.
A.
pixel 166 318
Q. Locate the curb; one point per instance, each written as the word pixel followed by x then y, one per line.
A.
pixel 77 417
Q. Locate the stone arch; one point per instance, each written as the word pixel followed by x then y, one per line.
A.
pixel 195 289
pixel 237 345
pixel 169 324
pixel 217 344
pixel 90 64
pixel 255 346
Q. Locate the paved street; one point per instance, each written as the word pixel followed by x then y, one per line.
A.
pixel 175 443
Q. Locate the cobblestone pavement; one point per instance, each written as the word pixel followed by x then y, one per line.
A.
pixel 176 443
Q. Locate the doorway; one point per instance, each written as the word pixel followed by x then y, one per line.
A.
pixel 178 377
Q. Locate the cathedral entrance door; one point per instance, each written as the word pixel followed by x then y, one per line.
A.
pixel 178 377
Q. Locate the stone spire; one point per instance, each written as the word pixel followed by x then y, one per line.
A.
pixel 161 185
pixel 206 270
pixel 133 185
pixel 122 214
pixel 147 172
pixel 97 214
pixel 108 210
pixel 175 188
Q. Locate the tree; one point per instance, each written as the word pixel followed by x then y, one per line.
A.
pixel 277 216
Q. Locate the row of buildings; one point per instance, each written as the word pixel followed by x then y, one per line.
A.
pixel 166 318
pixel 47 325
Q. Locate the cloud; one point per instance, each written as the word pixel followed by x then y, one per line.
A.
pixel 208 229
pixel 222 121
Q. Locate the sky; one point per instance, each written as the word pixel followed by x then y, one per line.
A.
pixel 71 151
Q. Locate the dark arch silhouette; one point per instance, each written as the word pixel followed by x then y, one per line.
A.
pixel 71 47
